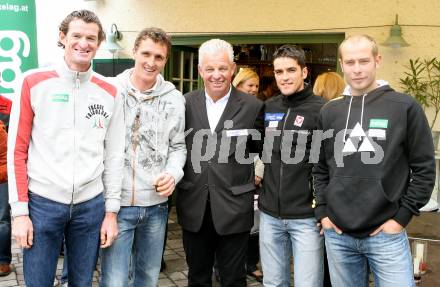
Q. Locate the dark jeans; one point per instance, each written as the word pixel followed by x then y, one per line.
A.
pixel 80 226
pixel 5 226
pixel 203 246
pixel 64 274
pixel 253 253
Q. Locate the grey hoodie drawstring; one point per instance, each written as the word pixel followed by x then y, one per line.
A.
pixel 349 111
pixel 156 127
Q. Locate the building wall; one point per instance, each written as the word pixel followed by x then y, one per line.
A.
pixel 289 16
pixel 419 20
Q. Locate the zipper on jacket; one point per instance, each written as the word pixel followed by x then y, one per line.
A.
pixel 75 94
pixel 281 163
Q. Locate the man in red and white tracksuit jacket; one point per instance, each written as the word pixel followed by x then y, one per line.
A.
pixel 65 159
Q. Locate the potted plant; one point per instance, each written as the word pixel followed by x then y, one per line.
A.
pixel 422 80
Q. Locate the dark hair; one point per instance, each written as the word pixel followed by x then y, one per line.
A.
pixel 291 51
pixel 157 35
pixel 85 15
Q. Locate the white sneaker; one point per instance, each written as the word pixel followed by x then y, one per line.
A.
pixel 432 205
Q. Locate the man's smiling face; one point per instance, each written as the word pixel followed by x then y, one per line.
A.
pixel 80 44
pixel 150 59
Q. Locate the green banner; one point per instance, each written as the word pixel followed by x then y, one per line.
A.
pixel 18 42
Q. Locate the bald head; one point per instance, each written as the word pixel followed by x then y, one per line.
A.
pixel 359 59
pixel 356 40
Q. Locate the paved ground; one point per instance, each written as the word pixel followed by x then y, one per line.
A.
pixel 174 275
pixel 425 226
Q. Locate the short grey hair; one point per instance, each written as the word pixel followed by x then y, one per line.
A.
pixel 215 46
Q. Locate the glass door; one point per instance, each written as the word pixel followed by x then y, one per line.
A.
pixel 182 69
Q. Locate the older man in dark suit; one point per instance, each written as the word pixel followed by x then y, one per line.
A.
pixel 215 197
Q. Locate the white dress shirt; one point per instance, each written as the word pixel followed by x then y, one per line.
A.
pixel 215 109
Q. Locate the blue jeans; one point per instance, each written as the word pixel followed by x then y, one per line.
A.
pixel 278 237
pixel 388 255
pixel 79 224
pixel 64 272
pixel 139 246
pixel 5 225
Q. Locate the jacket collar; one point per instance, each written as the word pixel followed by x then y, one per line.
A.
pixel 232 107
pixel 298 96
pixel 372 95
pixel 64 72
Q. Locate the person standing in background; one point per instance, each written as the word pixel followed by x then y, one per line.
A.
pixel 267 89
pixel 5 218
pixel 329 85
pixel 247 81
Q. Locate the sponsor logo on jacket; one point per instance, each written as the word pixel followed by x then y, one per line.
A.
pixel 98 116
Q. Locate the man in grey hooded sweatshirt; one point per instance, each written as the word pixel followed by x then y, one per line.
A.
pixel 155 154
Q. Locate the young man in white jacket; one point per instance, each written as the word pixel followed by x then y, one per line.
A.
pixel 65 158
pixel 155 154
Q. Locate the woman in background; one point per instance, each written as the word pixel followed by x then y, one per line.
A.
pixel 329 85
pixel 247 81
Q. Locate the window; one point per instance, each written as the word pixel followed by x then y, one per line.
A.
pixel 181 69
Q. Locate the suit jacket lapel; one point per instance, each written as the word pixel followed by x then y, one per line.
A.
pixel 200 107
pixel 232 108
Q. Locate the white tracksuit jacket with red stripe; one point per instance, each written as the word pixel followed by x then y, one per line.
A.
pixel 66 139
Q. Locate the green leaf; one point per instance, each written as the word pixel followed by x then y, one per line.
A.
pixel 421 79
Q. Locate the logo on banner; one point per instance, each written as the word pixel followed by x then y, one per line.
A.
pixel 299 121
pixel 16 48
pixel 18 43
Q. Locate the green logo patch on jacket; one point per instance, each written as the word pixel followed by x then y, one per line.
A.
pixel 379 123
pixel 60 98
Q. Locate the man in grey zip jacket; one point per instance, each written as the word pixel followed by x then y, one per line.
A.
pixel 155 154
